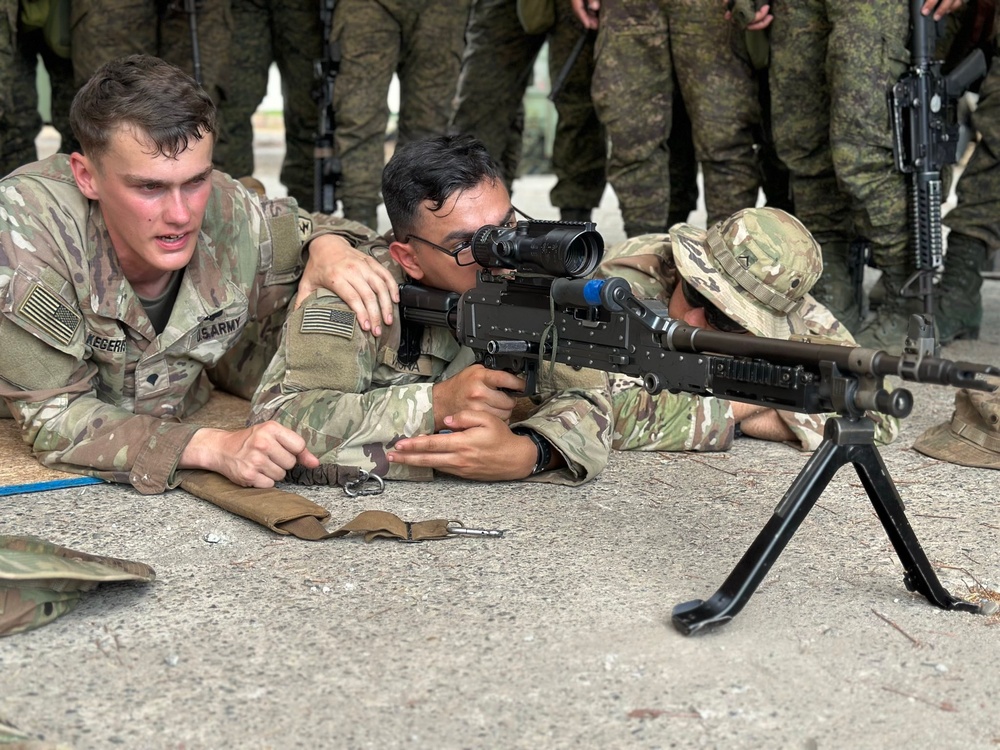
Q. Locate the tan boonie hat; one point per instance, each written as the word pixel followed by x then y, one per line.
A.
pixel 39 581
pixel 972 437
pixel 757 267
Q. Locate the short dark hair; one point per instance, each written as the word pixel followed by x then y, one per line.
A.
pixel 147 94
pixel 432 169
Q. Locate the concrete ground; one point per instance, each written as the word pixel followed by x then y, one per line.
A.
pixel 557 635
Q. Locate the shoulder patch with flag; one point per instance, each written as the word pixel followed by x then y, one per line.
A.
pixel 50 314
pixel 328 320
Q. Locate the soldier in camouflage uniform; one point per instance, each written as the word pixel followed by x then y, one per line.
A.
pixel 497 66
pixel 20 122
pixel 686 270
pixel 641 45
pixel 289 33
pixel 974 222
pixel 421 41
pixel 832 63
pixel 106 29
pixel 412 401
pixel 133 276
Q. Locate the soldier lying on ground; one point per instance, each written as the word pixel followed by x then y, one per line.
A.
pixel 413 401
pixel 132 275
pixel 748 274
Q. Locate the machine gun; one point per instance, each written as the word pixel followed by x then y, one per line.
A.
pixel 327 162
pixel 925 138
pixel 542 309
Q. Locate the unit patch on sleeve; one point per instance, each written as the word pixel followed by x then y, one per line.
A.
pixel 48 313
pixel 329 321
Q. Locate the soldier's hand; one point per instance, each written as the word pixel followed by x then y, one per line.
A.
pixel 587 11
pixel 480 446
pixel 364 284
pixel 256 456
pixel 941 8
pixel 762 17
pixel 476 388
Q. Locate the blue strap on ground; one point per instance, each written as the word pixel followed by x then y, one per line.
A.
pixel 55 484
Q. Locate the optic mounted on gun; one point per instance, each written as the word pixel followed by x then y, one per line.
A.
pixel 569 249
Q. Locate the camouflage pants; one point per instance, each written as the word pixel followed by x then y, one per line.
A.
pixel 20 121
pixel 832 62
pixel 496 68
pixel 288 33
pixel 106 29
pixel 421 42
pixel 641 45
pixel 977 212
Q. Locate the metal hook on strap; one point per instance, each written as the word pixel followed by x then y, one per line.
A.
pixel 366 484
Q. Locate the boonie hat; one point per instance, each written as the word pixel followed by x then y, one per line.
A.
pixel 757 267
pixel 972 437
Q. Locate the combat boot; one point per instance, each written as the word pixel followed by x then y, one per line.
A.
pixel 889 327
pixel 835 288
pixel 958 302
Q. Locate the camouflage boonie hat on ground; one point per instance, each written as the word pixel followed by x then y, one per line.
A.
pixel 757 267
pixel 972 437
pixel 39 581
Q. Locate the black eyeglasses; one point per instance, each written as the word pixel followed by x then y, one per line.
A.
pixel 462 252
pixel 713 315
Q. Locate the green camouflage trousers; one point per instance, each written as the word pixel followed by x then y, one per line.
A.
pixel 497 67
pixel 106 29
pixel 288 33
pixel 977 212
pixel 20 121
pixel 421 42
pixel 832 62
pixel 641 45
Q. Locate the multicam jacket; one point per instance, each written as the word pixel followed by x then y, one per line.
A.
pixel 352 395
pixel 683 421
pixel 94 388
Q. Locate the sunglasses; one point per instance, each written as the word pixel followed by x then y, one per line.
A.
pixel 713 315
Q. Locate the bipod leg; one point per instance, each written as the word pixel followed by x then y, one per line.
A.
pixel 918 574
pixel 789 514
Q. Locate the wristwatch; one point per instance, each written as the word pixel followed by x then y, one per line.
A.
pixel 541 445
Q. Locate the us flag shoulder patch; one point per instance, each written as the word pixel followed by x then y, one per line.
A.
pixel 48 313
pixel 328 321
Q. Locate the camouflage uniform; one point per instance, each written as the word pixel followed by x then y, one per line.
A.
pixel 93 386
pixel 641 44
pixel 497 66
pixel 832 62
pixel 419 40
pixel 683 421
pixel 20 121
pixel 288 33
pixel 106 29
pixel 352 395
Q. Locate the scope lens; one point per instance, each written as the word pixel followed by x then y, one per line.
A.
pixel 546 247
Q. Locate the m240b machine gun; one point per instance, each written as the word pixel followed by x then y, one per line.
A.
pixel 540 310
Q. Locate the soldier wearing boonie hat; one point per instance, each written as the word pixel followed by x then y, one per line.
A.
pixel 752 273
pixel 972 436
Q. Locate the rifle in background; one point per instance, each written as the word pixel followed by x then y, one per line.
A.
pixel 925 130
pixel 327 163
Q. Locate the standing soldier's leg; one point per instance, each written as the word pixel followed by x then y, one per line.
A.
pixel 60 70
pixel 867 54
pixel 370 39
pixel 497 64
pixel 214 29
pixel 429 68
pixel 633 94
pixel 106 29
pixel 22 122
pixel 800 106
pixel 720 92
pixel 974 222
pixel 8 37
pixel 251 54
pixel 683 164
pixel 579 149
pixel 298 45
